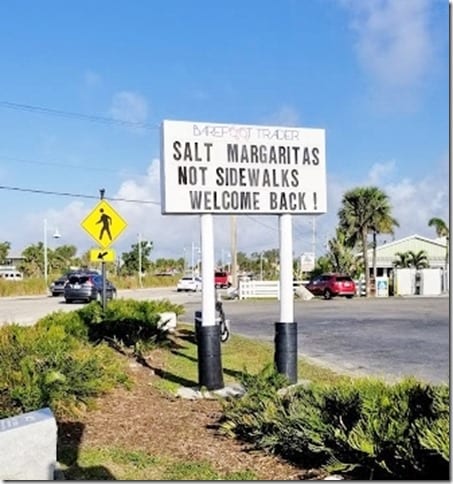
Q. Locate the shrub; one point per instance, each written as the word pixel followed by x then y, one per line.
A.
pixel 46 366
pixel 127 321
pixel 364 427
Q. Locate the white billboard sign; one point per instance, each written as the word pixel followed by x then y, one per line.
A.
pixel 230 169
pixel 307 262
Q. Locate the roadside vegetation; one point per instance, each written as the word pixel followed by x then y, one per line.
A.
pixel 362 428
pixel 364 214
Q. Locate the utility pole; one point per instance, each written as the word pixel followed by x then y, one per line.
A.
pixel 140 260
pixel 234 255
pixel 45 254
pixel 313 239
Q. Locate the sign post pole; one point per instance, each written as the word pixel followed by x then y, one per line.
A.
pixel 209 354
pixel 104 290
pixel 285 357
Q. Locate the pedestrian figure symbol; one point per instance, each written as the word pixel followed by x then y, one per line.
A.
pixel 106 222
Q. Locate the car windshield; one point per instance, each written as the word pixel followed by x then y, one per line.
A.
pixel 78 279
pixel 343 279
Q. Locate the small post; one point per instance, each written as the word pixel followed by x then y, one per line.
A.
pixel 104 289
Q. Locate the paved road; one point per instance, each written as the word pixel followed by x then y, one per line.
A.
pixel 386 337
pixel 27 310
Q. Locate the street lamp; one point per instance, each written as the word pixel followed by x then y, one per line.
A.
pixel 56 235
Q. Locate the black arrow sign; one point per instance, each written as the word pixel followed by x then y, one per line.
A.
pixel 101 255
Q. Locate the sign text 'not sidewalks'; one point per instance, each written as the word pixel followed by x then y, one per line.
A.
pixel 221 168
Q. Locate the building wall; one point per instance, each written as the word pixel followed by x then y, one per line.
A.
pixel 386 253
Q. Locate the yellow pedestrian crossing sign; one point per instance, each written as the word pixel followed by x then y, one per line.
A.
pixel 104 224
pixel 102 255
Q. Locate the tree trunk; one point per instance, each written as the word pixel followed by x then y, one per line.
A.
pixel 374 254
pixel 365 262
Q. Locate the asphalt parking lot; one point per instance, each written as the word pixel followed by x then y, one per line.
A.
pixel 386 337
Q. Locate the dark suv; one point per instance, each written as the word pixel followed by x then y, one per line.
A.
pixel 330 285
pixel 87 287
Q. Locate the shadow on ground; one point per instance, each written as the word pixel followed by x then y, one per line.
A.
pixel 69 439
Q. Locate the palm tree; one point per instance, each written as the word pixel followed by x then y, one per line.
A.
pixel 340 254
pixel 383 223
pixel 364 208
pixel 402 260
pixel 442 230
pixel 419 259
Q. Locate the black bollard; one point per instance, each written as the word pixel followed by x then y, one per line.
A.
pixel 285 357
pixel 210 374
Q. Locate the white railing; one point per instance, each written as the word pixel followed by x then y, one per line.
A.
pixel 262 289
pixel 259 289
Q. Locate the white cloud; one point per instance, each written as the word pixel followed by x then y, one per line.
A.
pixel 380 172
pixel 285 116
pixel 129 106
pixel 394 45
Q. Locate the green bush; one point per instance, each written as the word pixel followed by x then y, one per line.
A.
pixel 127 321
pixel 46 366
pixel 364 427
pixel 54 362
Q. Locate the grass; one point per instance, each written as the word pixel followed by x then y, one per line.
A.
pixel 238 355
pixel 121 464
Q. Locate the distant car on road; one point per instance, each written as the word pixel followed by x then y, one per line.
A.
pixel 189 283
pixel 222 280
pixel 331 285
pixel 87 287
pixel 57 286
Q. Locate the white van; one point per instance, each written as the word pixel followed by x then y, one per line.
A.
pixel 11 275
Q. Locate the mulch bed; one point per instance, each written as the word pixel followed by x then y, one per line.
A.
pixel 146 419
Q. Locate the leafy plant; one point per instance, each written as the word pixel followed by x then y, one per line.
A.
pixel 365 427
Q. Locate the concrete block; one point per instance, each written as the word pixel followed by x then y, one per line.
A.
pixel 167 321
pixel 28 446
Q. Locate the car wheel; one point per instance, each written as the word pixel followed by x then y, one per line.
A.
pixel 68 301
pixel 327 294
pixel 349 297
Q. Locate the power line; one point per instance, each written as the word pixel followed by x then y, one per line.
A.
pixel 80 116
pixel 59 165
pixel 74 195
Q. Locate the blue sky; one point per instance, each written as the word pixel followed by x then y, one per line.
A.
pixel 372 73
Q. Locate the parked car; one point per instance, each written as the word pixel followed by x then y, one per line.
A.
pixel 222 280
pixel 331 285
pixel 87 287
pixel 11 275
pixel 57 287
pixel 189 283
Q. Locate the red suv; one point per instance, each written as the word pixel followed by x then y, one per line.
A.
pixel 330 285
pixel 222 279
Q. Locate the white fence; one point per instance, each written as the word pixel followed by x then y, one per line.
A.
pixel 259 289
pixel 271 289
pixel 262 289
